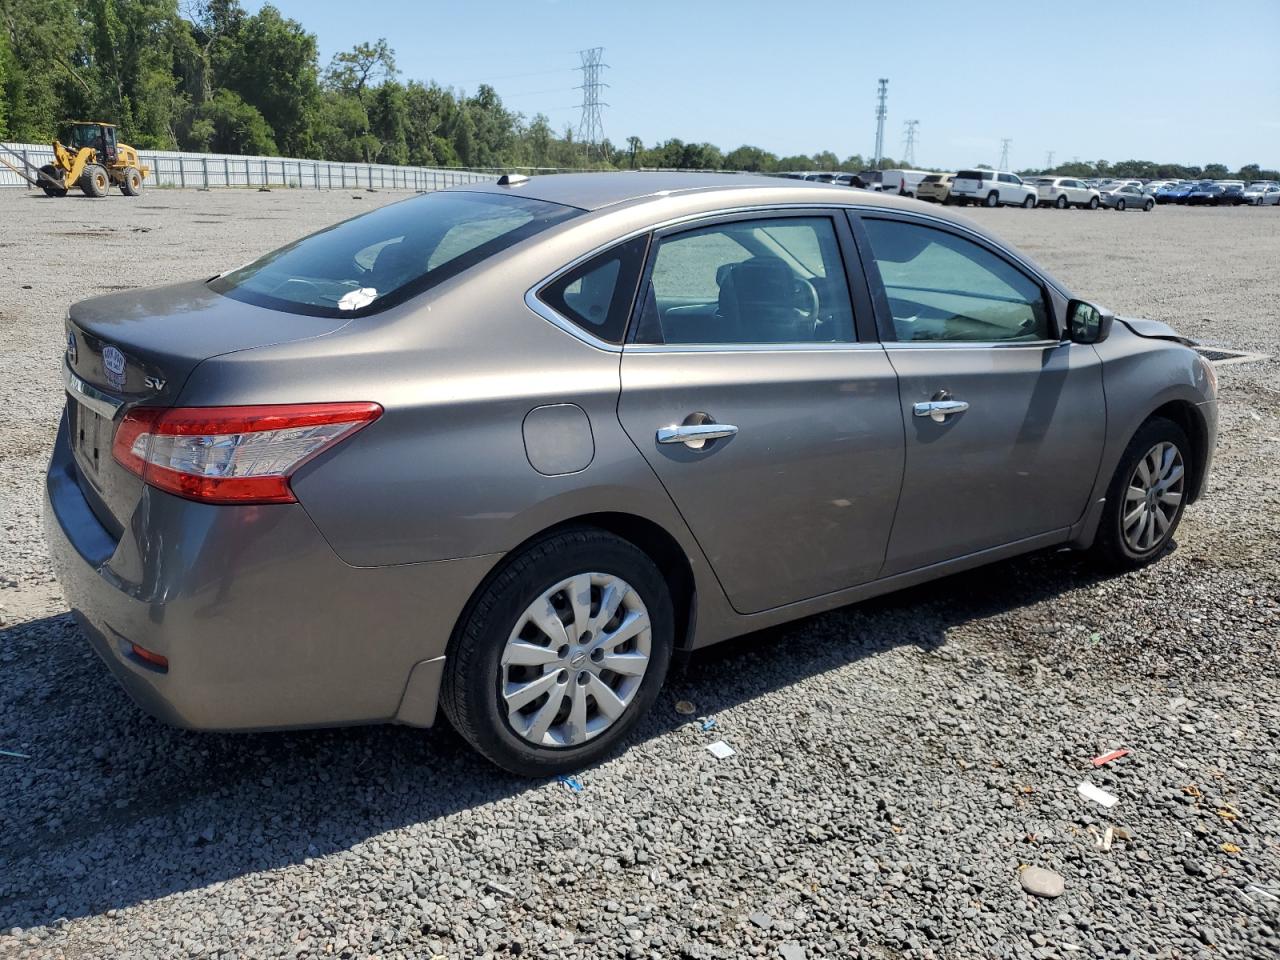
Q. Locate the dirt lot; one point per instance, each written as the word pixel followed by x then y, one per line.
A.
pixel 898 763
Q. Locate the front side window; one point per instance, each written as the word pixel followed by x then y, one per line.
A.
pixel 748 282
pixel 388 255
pixel 942 287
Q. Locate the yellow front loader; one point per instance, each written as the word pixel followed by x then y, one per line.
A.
pixel 90 160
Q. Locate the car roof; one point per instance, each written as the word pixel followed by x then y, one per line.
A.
pixel 593 191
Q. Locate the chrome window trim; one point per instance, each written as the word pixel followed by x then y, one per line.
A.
pixel 532 301
pixel 100 403
pixel 973 344
pixel 817 346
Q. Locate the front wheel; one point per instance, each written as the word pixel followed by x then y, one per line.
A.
pixel 1093 203
pixel 561 653
pixel 1028 203
pixel 94 180
pixel 993 199
pixel 1146 497
pixel 1146 207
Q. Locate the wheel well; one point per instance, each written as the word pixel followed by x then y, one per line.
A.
pixel 1186 416
pixel 661 547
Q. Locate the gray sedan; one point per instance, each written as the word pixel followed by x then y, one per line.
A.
pixel 506 449
pixel 1127 197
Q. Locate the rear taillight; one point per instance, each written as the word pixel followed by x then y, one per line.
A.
pixel 232 454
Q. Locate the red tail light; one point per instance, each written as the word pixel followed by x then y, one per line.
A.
pixel 232 454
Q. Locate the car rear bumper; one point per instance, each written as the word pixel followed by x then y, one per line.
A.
pixel 262 624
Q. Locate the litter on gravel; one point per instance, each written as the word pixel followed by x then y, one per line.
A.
pixel 720 750
pixel 1108 757
pixel 14 754
pixel 1097 795
pixel 572 783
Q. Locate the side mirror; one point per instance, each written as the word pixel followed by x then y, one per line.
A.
pixel 1087 323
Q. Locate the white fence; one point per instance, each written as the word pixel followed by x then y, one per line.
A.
pixel 169 168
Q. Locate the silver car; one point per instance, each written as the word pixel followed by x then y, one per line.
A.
pixel 505 449
pixel 1126 197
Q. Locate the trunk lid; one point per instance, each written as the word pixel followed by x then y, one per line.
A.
pixel 140 347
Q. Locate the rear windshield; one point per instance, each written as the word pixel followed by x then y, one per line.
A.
pixel 386 256
pixel 973 174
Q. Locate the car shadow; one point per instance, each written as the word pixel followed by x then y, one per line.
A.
pixel 113 809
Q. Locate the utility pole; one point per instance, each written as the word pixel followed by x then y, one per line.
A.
pixel 909 146
pixel 1048 161
pixel 591 125
pixel 1004 153
pixel 882 111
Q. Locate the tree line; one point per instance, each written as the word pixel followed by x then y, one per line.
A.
pixel 207 76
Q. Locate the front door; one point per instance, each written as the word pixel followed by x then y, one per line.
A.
pixel 1004 421
pixel 775 432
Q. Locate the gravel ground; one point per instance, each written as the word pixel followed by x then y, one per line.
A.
pixel 897 764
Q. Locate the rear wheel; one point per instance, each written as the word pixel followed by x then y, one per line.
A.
pixel 1120 205
pixel 131 182
pixel 53 173
pixel 993 199
pixel 94 180
pixel 561 654
pixel 1146 497
pixel 1061 203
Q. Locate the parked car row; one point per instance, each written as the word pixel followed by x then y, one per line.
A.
pixel 994 188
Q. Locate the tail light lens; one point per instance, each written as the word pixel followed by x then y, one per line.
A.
pixel 232 454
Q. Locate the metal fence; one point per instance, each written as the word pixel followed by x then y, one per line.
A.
pixel 169 168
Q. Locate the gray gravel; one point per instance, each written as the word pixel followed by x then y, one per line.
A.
pixel 898 764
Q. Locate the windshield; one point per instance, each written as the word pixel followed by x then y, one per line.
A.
pixel 388 255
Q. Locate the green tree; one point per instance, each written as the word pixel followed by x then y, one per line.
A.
pixel 351 70
pixel 1216 171
pixel 236 126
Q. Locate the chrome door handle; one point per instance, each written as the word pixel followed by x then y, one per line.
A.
pixel 696 434
pixel 939 410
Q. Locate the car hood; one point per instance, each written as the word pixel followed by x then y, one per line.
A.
pixel 1155 330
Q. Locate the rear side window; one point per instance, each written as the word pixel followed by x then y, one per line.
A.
pixel 384 257
pixel 943 287
pixel 597 295
pixel 749 282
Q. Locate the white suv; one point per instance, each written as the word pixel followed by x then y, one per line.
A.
pixel 1063 192
pixel 992 188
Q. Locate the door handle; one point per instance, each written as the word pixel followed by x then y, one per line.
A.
pixel 939 410
pixel 696 434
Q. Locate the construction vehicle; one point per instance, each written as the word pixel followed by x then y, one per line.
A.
pixel 91 160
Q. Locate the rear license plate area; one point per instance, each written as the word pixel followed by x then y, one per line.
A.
pixel 90 438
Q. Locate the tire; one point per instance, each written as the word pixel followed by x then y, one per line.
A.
pixel 94 180
pixel 1146 207
pixel 993 199
pixel 131 182
pixel 1061 203
pixel 1113 547
pixel 1093 203
pixel 1029 203
pixel 475 674
pixel 50 170
pixel 1120 206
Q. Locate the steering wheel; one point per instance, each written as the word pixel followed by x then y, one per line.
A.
pixel 807 294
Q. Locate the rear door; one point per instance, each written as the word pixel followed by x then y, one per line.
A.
pixel 1004 421
pixel 773 426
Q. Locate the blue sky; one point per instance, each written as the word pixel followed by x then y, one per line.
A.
pixel 1175 81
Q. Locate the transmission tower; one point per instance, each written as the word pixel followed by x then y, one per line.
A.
pixel 1004 153
pixel 1048 160
pixel 882 111
pixel 591 126
pixel 909 143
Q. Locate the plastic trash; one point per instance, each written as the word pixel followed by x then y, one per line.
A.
pixel 685 708
pixel 708 723
pixel 1108 757
pixel 15 754
pixel 1097 795
pixel 571 782
pixel 721 750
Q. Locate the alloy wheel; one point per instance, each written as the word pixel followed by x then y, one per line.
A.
pixel 575 660
pixel 1152 497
